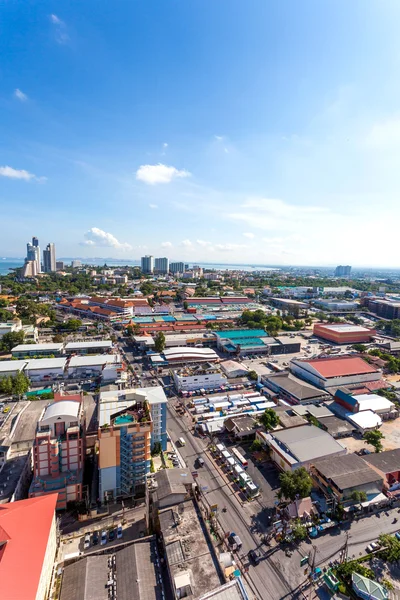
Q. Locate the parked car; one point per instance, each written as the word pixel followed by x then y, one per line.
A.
pixel 255 556
pixel 373 546
pixel 200 461
pixel 111 535
pixel 103 538
pixel 119 531
pixel 95 538
pixel 86 543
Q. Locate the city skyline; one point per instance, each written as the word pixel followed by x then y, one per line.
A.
pixel 262 138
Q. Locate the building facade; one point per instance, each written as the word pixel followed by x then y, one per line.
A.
pixel 161 265
pixel 49 258
pixel 147 264
pixel 177 267
pixel 343 333
pixel 191 380
pixel 343 271
pixel 59 451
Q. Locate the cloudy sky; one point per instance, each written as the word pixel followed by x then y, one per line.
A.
pixel 203 130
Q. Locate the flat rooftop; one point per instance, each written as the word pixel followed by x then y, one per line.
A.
pixel 38 347
pixel 94 360
pixel 306 443
pixel 344 328
pixel 89 344
pixel 114 401
pixel 37 364
pixel 241 334
pixel 7 366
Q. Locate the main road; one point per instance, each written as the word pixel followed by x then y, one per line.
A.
pixel 268 580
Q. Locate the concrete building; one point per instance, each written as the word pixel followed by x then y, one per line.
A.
pixel 334 372
pixel 301 447
pixel 177 267
pixel 88 347
pixel 60 265
pixel 186 354
pixel 30 331
pixel 292 307
pixel 340 476
pixel 232 369
pixel 24 525
pixel 76 264
pixel 387 309
pixel 343 271
pixel 45 368
pixel 49 258
pixel 343 333
pixel 59 451
pixel 33 254
pixel 191 379
pixel 387 465
pixel 124 444
pixel 93 365
pixel 157 400
pixel 29 269
pixel 23 350
pixel 292 389
pixel 147 264
pixel 192 339
pixel 337 305
pixel 161 265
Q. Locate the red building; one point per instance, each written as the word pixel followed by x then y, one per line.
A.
pixel 344 333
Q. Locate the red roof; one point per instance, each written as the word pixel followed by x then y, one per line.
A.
pixel 340 367
pixel 24 533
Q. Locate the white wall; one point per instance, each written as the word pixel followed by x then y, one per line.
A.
pixel 304 373
pixel 197 382
pixel 48 562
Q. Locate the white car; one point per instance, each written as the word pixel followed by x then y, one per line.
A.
pixel 103 539
pixel 372 547
pixel 86 543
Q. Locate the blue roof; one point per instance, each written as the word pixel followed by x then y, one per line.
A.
pixel 242 334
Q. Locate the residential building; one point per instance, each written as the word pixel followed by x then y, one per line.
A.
pixel 24 350
pixel 340 476
pixel 242 427
pixel 191 379
pixel 170 487
pixel 387 465
pixel 387 309
pixel 25 525
pixel 336 305
pixel 33 254
pixel 60 265
pixel 147 264
pixel 157 400
pixel 344 333
pixel 124 444
pixel 59 451
pixel 30 331
pixel 49 258
pixel 76 264
pixel 338 371
pixel 343 271
pixel 29 269
pixel 177 267
pixel 161 265
pixel 88 347
pixel 301 446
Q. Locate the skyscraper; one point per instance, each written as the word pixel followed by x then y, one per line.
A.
pixel 49 258
pixel 33 253
pixel 147 263
pixel 161 265
pixel 343 271
pixel 177 267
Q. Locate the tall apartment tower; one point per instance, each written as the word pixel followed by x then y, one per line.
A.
pixel 177 267
pixel 59 450
pixel 161 265
pixel 147 263
pixel 343 271
pixel 49 258
pixel 33 253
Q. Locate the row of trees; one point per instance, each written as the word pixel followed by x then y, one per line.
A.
pixel 16 385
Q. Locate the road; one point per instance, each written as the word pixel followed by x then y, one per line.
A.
pixel 268 580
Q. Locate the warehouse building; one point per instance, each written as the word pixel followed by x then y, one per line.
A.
pixel 387 464
pixel 24 350
pixel 45 368
pixel 80 366
pixel 344 333
pixel 326 373
pixel 10 368
pixel 293 389
pixel 240 342
pixel 233 369
pixel 88 347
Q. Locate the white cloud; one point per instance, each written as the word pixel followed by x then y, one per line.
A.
pixel 229 247
pixel 384 135
pixel 153 206
pixel 203 243
pixel 219 138
pixel 20 95
pixel 60 29
pixel 166 245
pixel 186 244
pixel 19 174
pixel 249 235
pixel 154 174
pixel 98 237
pixel 165 145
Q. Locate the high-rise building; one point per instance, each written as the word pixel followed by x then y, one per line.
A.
pixel 161 265
pixel 59 450
pixel 33 253
pixel 49 258
pixel 343 271
pixel 76 264
pixel 177 267
pixel 147 263
pixel 60 265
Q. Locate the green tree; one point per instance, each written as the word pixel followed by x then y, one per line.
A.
pixel 58 338
pixel 73 324
pixel 392 548
pixel 295 484
pixel 359 496
pixel 359 347
pixel 159 341
pixel 269 419
pixel 252 375
pixel 6 385
pixel 11 339
pixel 373 438
pixel 20 384
pixel 185 305
pixel 256 446
pixel 156 449
pixel 129 330
pixel 299 531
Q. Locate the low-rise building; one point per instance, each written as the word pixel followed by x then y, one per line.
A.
pixel 334 372
pixel 233 369
pixel 185 354
pixel 33 350
pixel 343 333
pixel 93 365
pixel 301 446
pixel 337 305
pixel 242 427
pixel 88 347
pixel 368 589
pixel 293 389
pixel 15 325
pixel 387 465
pixel 10 368
pixel 24 525
pixel 38 369
pixel 192 379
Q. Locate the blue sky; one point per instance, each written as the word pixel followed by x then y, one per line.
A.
pixel 204 130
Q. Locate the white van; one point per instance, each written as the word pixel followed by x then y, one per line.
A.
pixel 181 442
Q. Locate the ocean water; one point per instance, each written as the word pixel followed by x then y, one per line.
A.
pixel 7 264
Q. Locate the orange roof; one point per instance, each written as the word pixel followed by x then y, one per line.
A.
pixel 24 533
pixel 340 367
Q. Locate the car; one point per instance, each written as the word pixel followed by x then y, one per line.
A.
pixel 86 543
pixel 200 461
pixel 397 534
pixel 103 539
pixel 119 531
pixel 6 409
pixel 95 538
pixel 111 535
pixel 255 556
pixel 373 546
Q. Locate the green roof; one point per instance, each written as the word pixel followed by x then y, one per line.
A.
pixel 367 588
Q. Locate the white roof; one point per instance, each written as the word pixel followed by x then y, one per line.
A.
pixel 147 339
pixel 39 347
pixel 233 365
pixel 89 344
pixel 11 365
pixel 346 328
pixel 115 400
pixel 93 360
pixel 68 409
pixel 46 363
pixel 365 419
pixel 373 402
pixel 185 352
